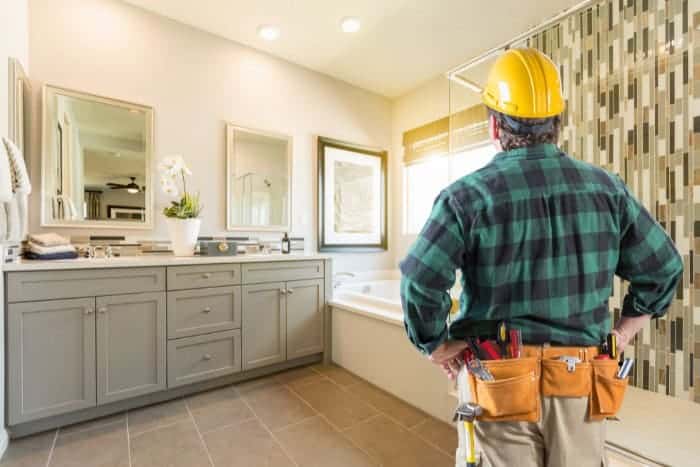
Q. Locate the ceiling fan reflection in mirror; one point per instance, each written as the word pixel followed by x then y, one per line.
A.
pixel 130 187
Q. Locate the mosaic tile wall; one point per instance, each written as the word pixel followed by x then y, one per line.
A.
pixel 631 77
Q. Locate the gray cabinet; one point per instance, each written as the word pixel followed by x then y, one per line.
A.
pixel 51 358
pixel 199 358
pixel 304 308
pixel 264 325
pixel 201 311
pixel 131 345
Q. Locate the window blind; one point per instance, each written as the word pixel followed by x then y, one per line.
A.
pixel 457 131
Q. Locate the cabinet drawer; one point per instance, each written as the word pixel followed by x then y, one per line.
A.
pixel 201 311
pixel 193 359
pixel 282 271
pixel 196 277
pixel 31 286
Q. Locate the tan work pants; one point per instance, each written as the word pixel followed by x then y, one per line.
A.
pixel 562 437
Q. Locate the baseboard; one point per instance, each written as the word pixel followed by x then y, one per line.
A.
pixel 4 440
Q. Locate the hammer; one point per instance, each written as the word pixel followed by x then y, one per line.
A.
pixel 466 413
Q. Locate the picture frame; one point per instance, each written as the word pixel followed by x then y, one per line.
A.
pixel 125 213
pixel 352 197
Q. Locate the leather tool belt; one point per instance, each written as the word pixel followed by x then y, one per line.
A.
pixel 514 393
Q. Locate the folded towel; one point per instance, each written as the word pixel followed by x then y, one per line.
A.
pixel 48 239
pixel 5 175
pixel 64 255
pixel 14 223
pixel 48 250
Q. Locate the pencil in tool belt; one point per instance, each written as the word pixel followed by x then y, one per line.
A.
pixel 502 338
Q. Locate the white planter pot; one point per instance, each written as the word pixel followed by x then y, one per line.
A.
pixel 183 235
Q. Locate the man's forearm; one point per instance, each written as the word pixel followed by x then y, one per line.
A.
pixel 627 327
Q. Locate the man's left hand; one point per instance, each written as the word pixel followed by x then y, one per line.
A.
pixel 448 356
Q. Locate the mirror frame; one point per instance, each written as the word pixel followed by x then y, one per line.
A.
pixel 49 91
pixel 231 165
pixel 18 99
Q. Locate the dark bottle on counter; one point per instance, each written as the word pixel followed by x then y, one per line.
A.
pixel 286 246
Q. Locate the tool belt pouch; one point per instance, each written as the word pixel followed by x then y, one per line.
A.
pixel 608 392
pixel 563 380
pixel 514 393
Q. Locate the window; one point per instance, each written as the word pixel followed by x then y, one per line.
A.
pixel 422 183
pixel 424 180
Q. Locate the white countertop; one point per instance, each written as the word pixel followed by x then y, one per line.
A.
pixel 152 260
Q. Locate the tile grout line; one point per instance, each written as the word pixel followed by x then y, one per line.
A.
pixel 384 413
pixel 158 427
pixel 53 446
pixel 266 428
pixel 335 427
pixel 199 433
pixel 128 438
pixel 230 425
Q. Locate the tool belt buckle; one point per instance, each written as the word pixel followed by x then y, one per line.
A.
pixel 570 362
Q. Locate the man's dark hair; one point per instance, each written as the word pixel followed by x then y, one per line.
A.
pixel 516 132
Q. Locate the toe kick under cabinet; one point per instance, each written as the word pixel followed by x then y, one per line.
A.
pixel 83 338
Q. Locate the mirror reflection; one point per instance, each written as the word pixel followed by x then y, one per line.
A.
pixel 96 159
pixel 259 167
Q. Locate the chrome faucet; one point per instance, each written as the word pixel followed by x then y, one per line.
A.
pixel 100 251
pixel 337 283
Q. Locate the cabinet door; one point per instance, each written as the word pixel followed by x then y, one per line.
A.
pixel 131 345
pixel 304 318
pixel 51 358
pixel 264 325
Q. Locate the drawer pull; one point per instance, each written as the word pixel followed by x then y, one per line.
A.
pixel 206 357
pixel 206 275
pixel 206 310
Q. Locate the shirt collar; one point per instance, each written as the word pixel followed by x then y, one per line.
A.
pixel 536 151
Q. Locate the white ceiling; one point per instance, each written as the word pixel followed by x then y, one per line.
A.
pixel 402 43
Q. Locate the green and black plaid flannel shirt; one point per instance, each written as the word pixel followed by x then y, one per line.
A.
pixel 538 237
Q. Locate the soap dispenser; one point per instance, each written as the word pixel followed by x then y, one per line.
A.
pixel 286 247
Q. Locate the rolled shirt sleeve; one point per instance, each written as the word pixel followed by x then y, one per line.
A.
pixel 648 260
pixel 428 272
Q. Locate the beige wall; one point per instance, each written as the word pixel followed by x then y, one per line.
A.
pixel 13 43
pixel 195 82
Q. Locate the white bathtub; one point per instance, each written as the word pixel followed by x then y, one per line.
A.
pixel 369 340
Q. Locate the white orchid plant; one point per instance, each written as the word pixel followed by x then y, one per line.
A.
pixel 173 170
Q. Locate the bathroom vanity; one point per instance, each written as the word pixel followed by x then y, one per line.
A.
pixel 90 337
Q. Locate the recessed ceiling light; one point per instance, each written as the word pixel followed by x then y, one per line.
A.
pixel 269 32
pixel 350 24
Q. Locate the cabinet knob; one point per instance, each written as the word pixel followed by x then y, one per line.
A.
pixel 206 275
pixel 283 291
pixel 290 291
pixel 88 311
pixel 102 309
pixel 206 357
pixel 206 309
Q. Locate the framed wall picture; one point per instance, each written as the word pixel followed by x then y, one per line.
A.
pixel 127 213
pixel 352 197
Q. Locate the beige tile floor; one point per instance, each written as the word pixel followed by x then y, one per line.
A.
pixel 317 416
pixel 314 416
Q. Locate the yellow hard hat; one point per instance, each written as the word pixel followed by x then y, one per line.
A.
pixel 524 83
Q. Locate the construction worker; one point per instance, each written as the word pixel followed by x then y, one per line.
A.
pixel 538 237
